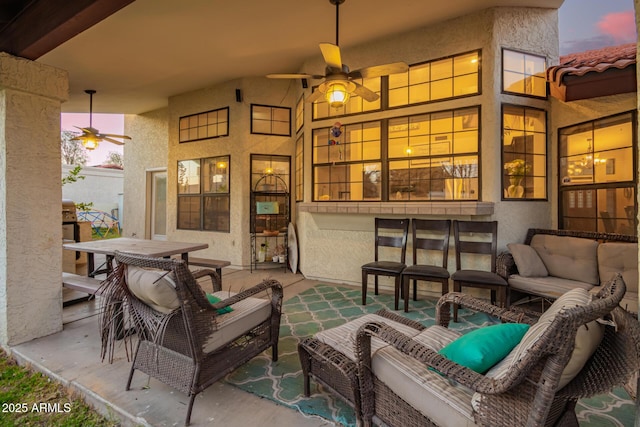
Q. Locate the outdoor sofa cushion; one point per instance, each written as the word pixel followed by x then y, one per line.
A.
pixel 549 286
pixel 568 257
pixel 482 348
pixel 527 260
pixel 246 314
pixel 343 337
pixel 587 340
pixel 615 257
pixel 445 402
pixel 155 288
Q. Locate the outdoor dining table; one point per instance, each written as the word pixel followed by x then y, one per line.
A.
pixel 152 248
pixel 109 247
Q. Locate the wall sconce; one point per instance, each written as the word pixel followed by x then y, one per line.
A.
pixel 90 143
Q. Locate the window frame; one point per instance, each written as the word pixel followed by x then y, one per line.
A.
pixel 271 120
pixel 385 159
pixel 526 54
pixel 526 154
pixel 197 117
pixel 203 196
pixel 594 187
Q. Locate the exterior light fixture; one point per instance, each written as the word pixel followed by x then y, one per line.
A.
pixel 337 95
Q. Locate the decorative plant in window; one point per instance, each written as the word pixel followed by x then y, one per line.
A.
pixel 516 170
pixel 517 167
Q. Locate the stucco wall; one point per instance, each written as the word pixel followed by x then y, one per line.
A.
pixel 146 152
pixel 329 251
pixel 235 245
pixel 30 193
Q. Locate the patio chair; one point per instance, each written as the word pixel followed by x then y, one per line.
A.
pixel 391 268
pixel 436 241
pixel 467 243
pixel 565 355
pixel 184 340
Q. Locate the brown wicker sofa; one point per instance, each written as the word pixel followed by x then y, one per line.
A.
pixel 416 386
pixel 551 262
pixel 183 339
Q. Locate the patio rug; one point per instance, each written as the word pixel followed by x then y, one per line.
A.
pixel 327 306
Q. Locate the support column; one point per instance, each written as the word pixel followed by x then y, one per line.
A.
pixel 30 199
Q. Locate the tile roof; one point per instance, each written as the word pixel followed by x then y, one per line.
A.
pixel 600 72
pixel 599 60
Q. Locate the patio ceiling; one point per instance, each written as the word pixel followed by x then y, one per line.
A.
pixel 153 49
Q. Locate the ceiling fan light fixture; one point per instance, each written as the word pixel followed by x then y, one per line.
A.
pixel 90 143
pixel 337 94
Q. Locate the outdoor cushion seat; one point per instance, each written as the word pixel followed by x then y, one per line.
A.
pixel 183 339
pixel 549 286
pixel 385 267
pixel 485 277
pixel 427 271
pixel 564 355
pixel 246 315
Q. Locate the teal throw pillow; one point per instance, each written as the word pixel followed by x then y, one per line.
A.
pixel 484 347
pixel 214 299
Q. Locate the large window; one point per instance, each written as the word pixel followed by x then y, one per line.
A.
pixel 597 179
pixel 210 124
pixel 524 74
pixel 445 78
pixel 270 120
pixel 203 194
pixel 524 153
pixel 299 173
pixel 424 157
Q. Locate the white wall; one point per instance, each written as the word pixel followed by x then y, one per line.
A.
pixel 100 186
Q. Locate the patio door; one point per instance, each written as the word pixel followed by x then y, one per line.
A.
pixel 157 213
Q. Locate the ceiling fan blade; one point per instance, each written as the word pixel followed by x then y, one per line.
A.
pixel 293 76
pixel 366 94
pixel 113 141
pixel 315 96
pixel 380 70
pixel 102 135
pixel 331 55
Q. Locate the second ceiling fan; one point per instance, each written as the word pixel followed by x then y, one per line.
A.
pixel 91 136
pixel 338 82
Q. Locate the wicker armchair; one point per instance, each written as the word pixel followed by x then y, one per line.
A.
pixel 526 395
pixel 187 344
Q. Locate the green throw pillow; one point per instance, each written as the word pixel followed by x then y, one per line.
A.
pixel 484 347
pixel 214 299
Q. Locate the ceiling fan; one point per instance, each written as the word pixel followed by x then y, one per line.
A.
pixel 91 136
pixel 338 82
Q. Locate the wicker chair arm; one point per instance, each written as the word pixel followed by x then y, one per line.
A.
pixel 383 312
pixel 443 313
pixel 506 265
pixel 213 276
pixel 430 358
pixel 265 285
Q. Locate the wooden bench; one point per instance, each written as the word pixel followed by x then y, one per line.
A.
pixel 210 263
pixel 80 283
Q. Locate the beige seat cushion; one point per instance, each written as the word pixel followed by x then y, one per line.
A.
pixel 154 287
pixel 527 260
pixel 616 257
pixel 550 286
pixel 567 257
pixel 246 315
pixel 343 337
pixel 587 340
pixel 443 401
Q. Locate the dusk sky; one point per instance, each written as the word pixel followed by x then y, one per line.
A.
pixel 584 25
pixel 594 24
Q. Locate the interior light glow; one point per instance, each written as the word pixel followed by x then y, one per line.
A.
pixel 337 94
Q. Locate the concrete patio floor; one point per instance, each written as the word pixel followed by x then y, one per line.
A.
pixel 73 358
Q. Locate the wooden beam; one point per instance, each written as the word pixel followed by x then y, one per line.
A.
pixel 45 24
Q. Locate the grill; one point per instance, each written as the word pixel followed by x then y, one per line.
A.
pixel 70 227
